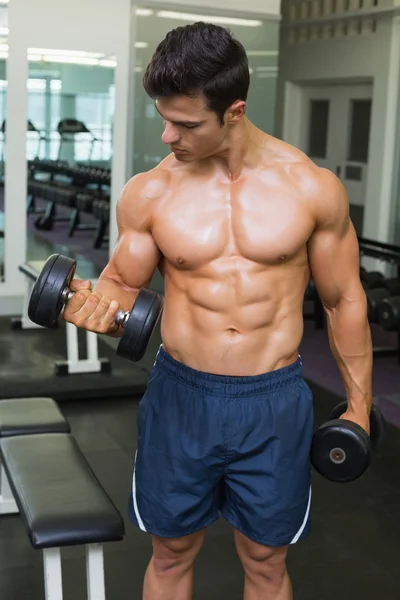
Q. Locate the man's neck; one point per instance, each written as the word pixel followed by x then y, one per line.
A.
pixel 241 147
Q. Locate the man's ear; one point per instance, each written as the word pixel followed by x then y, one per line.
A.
pixel 235 112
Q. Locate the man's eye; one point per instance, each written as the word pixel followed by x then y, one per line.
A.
pixel 190 126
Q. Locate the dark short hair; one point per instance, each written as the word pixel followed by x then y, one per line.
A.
pixel 201 58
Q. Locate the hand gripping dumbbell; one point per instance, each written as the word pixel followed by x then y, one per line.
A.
pixel 51 293
pixel 342 450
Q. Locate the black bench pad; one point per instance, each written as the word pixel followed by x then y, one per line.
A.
pixel 60 499
pixel 20 416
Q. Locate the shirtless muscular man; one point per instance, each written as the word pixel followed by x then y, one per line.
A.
pixel 236 221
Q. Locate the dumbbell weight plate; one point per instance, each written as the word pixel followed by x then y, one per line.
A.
pixel 140 325
pixel 46 301
pixel 388 313
pixel 376 422
pixel 373 298
pixel 341 451
pixel 371 278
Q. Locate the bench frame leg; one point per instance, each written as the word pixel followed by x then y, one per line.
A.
pixel 8 506
pixel 53 589
pixel 24 322
pixel 52 567
pixel 74 364
pixel 95 572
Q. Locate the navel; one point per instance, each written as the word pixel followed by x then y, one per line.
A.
pixel 231 331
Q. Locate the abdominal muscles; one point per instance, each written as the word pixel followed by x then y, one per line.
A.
pixel 234 316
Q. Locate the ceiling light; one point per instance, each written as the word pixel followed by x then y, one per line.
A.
pixel 74 60
pixel 141 45
pixel 144 12
pixel 167 14
pixel 77 53
pixel 269 69
pixel 262 53
pixel 108 63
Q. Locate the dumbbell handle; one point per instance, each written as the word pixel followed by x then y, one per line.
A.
pixel 120 318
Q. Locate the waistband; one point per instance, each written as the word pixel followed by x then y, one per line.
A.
pixel 227 384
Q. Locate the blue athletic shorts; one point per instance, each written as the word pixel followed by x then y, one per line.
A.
pixel 211 445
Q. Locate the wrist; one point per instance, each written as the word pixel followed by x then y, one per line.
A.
pixel 360 406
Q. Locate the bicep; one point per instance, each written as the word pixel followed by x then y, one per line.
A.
pixel 134 260
pixel 334 252
pixel 136 255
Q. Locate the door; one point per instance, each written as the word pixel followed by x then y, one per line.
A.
pixel 336 133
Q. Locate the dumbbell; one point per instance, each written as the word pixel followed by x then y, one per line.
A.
pixel 388 313
pixel 371 278
pixel 386 289
pixel 341 450
pixel 51 293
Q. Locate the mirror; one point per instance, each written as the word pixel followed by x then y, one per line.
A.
pixel 3 93
pixel 69 151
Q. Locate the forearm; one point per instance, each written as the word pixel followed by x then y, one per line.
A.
pixel 351 345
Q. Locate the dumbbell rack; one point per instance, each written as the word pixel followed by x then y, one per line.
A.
pixel 388 253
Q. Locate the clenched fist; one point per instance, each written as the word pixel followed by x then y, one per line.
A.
pixel 90 310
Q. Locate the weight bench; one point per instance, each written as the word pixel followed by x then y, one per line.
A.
pixel 60 500
pixel 22 416
pixel 73 364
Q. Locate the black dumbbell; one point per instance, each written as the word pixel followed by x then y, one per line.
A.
pixel 371 278
pixel 51 292
pixel 388 313
pixel 386 289
pixel 342 450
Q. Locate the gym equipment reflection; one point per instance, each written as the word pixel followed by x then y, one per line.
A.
pixel 71 106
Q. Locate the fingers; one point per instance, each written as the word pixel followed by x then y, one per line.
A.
pixel 75 304
pixel 102 319
pixel 79 284
pixel 92 311
pixel 108 321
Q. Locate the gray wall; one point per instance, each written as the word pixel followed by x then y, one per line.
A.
pixel 371 57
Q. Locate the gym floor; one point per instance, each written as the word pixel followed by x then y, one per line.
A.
pixel 352 552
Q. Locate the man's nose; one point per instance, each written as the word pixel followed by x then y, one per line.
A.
pixel 170 135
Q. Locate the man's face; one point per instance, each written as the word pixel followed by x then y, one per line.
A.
pixel 191 131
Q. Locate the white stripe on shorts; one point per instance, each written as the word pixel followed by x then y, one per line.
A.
pixel 298 534
pixel 135 506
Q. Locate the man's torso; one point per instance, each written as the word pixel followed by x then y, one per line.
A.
pixel 234 261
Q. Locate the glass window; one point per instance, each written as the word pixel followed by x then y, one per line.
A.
pixel 95 110
pixel 318 134
pixel 359 130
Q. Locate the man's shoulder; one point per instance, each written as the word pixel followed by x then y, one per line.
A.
pixel 149 184
pixel 304 173
pixel 141 194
